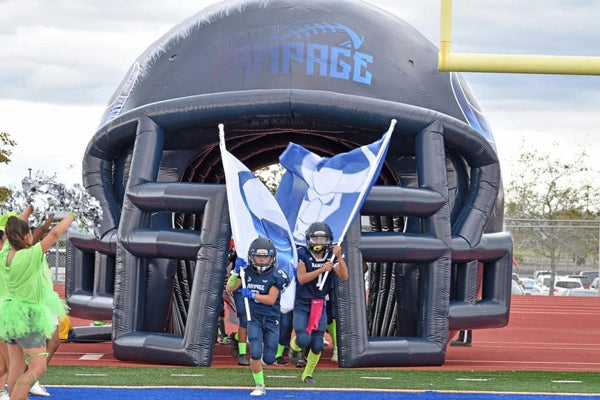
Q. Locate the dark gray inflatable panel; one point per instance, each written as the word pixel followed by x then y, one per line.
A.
pixel 329 75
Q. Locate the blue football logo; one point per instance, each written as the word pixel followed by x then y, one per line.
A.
pixel 306 29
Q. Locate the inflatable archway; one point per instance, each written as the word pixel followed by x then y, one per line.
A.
pixel 329 75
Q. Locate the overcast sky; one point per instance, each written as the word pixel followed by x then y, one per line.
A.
pixel 60 61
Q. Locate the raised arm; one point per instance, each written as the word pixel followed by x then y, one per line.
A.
pixel 27 212
pixel 40 230
pixel 56 232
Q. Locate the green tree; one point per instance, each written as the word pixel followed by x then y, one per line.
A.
pixel 549 187
pixel 6 143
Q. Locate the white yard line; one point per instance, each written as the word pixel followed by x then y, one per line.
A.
pixel 376 377
pixel 91 374
pixel 91 356
pixel 473 379
pixel 524 362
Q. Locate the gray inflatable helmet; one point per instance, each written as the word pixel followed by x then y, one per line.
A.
pixel 326 74
pixel 275 71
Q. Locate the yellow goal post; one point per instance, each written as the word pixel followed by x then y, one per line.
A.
pixel 507 63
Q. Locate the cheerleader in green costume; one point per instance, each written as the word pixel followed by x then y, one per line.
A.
pixel 27 314
pixel 3 347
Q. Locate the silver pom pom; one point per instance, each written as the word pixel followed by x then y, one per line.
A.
pixel 48 196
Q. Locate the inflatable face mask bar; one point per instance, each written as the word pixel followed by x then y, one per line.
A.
pixel 328 75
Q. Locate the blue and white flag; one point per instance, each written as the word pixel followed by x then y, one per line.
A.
pixel 330 190
pixel 254 212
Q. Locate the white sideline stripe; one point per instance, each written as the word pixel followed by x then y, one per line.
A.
pixel 282 376
pixel 566 382
pixel 307 389
pixel 187 375
pixel 376 377
pixel 524 362
pixel 91 374
pixel 556 347
pixel 91 356
pixel 539 344
pixel 473 379
pixel 566 312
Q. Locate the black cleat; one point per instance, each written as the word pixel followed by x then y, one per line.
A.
pixel 281 361
pixel 309 379
pixel 234 349
pixel 297 358
pixel 243 360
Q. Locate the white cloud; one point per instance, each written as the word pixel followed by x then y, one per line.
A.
pixel 58 51
pixel 50 138
pixel 541 130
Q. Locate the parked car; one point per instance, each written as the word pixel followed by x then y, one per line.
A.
pixel 541 272
pixel 541 285
pixel 563 286
pixel 516 288
pixel 586 281
pixel 515 277
pixel 594 284
pixel 590 274
pixel 572 287
pixel 566 286
pixel 527 284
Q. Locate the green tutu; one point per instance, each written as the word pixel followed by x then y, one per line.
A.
pixel 20 318
pixel 54 303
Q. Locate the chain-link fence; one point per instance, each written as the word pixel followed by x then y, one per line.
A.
pixel 57 259
pixel 571 246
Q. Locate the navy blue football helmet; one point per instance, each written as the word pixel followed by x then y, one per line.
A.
pixel 259 249
pixel 319 237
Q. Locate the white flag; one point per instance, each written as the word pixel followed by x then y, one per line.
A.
pixel 330 190
pixel 254 212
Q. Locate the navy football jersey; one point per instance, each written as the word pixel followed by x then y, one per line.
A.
pixel 261 284
pixel 310 290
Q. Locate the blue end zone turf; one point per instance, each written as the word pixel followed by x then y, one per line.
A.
pixel 64 393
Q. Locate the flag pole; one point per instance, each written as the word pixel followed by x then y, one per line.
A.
pixel 388 135
pixel 234 227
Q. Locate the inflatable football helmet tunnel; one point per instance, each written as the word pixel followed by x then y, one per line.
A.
pixel 328 75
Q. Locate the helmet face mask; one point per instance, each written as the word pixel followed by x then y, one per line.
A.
pixel 262 263
pixel 262 255
pixel 319 237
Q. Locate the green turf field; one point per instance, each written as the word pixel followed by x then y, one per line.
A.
pixel 502 381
